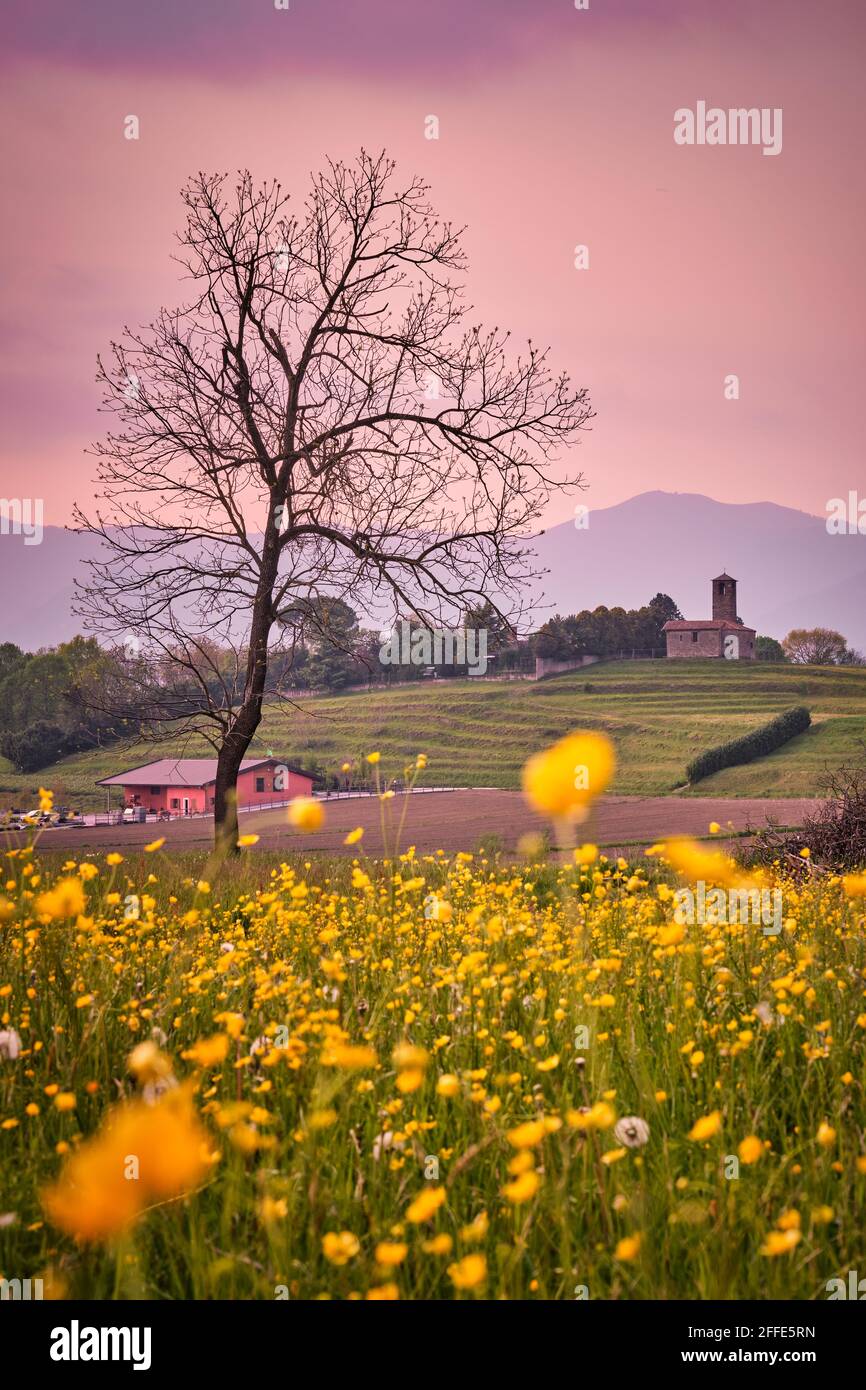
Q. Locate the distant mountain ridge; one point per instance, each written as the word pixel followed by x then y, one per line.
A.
pixel 791 572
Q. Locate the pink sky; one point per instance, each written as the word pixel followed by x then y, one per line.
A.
pixel 556 129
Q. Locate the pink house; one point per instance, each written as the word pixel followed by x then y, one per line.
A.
pixel 185 786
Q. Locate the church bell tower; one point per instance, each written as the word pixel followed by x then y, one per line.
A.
pixel 725 598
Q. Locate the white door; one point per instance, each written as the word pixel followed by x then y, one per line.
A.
pixel 186 805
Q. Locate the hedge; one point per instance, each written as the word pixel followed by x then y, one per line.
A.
pixel 754 745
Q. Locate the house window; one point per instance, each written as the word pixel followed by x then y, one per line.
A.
pixel 175 803
pixel 260 784
pixel 694 636
pixel 155 791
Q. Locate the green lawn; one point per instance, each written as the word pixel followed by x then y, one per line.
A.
pixel 659 715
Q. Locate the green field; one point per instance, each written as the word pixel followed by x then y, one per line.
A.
pixel 659 715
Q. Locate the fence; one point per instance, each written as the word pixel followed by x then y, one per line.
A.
pixel 151 818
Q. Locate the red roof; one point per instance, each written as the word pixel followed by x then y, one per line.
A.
pixel 185 772
pixel 687 625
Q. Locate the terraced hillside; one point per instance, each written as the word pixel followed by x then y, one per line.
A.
pixel 479 734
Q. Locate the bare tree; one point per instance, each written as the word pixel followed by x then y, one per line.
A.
pixel 318 418
pixel 815 646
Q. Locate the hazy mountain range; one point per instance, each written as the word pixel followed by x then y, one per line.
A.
pixel 791 572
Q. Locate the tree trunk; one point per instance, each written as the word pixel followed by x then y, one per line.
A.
pixel 246 721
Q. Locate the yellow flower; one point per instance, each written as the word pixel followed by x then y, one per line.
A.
pixel 750 1149
pixel 383 1293
pixel 469 1272
pixel 147 1064
pixel 706 1126
pixel 391 1252
pixel 425 1204
pixel 354 836
pixel 693 861
pixel 208 1052
pixel 523 1188
pixel 826 1135
pixel 438 1245
pixel 46 799
pixel 154 845
pixel 447 1085
pixel 349 1058
pixel 373 758
pixel 65 899
pixel 98 1194
pixel 600 1116
pixel 340 1246
pixel 273 1209
pixel 855 885
pixel 305 813
pixel 409 1080
pixel 586 854
pixel 628 1248
pixel 114 859
pixel 245 840
pixel 563 780
pixel 780 1242
pixel 65 1101
pixel 323 1119
pixel 525 1136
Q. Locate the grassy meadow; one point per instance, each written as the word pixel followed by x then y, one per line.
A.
pixel 658 714
pixel 428 1078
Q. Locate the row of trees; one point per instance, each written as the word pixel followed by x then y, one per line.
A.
pixel 46 705
pixel 607 631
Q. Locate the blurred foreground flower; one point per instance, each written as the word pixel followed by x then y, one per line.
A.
pixel 694 862
pixel 563 780
pixel 305 813
pixel 65 899
pixel 143 1153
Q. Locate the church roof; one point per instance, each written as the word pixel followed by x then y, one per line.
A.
pixel 724 575
pixel 689 625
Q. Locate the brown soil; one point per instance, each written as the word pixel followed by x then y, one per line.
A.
pixel 451 821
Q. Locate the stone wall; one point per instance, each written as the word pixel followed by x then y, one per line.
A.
pixel 681 645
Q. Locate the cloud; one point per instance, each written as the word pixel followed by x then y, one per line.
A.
pixel 440 38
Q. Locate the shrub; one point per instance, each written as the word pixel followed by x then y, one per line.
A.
pixel 834 834
pixel 754 745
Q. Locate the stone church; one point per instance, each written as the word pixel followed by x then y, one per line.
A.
pixel 723 636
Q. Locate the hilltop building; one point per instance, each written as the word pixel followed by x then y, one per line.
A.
pixel 724 635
